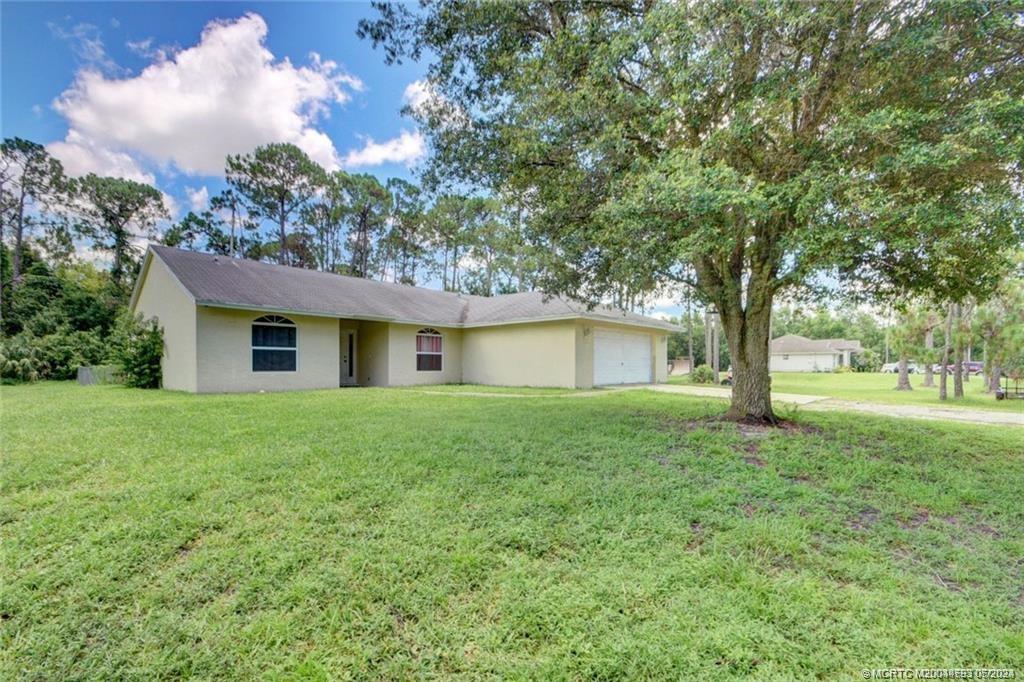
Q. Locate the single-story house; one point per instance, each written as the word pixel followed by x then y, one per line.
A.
pixel 793 353
pixel 234 325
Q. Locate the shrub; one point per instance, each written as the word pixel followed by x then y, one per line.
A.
pixel 702 374
pixel 137 349
pixel 842 369
pixel 57 355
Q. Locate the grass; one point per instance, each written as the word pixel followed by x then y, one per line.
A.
pixel 880 388
pixel 481 388
pixel 393 534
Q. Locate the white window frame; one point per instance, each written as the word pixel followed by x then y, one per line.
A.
pixel 429 332
pixel 274 321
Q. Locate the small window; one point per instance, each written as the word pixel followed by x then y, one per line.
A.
pixel 274 347
pixel 428 350
pixel 785 356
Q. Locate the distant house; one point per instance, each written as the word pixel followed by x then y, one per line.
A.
pixel 792 353
pixel 233 325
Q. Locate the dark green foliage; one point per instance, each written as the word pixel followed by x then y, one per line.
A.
pixel 56 319
pixel 702 374
pixel 57 355
pixel 137 348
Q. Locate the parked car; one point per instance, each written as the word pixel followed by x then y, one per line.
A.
pixel 894 368
pixel 972 367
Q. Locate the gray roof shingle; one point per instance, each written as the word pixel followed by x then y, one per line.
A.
pixel 234 282
pixel 793 343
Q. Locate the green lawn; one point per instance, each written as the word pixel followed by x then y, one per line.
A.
pixel 481 388
pixel 880 388
pixel 394 534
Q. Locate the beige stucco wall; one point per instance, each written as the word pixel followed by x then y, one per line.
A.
pixel 161 296
pixel 372 353
pixel 224 338
pixel 402 356
pixel 803 362
pixel 533 354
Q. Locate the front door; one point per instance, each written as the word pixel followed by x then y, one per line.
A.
pixel 348 357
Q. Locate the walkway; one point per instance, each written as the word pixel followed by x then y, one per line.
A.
pixel 817 402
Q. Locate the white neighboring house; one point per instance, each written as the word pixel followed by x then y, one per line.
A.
pixel 792 353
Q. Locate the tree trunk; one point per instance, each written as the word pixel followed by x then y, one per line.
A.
pixel 19 235
pixel 929 344
pixel 689 329
pixel 716 346
pixel 903 384
pixel 746 332
pixel 944 369
pixel 958 358
pixel 993 378
pixel 282 251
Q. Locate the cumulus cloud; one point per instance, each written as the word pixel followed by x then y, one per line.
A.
pixel 407 148
pixel 198 199
pixel 81 155
pixel 225 95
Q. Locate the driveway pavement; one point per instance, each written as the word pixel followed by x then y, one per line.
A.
pixel 817 402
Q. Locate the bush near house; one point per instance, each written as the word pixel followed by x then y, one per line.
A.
pixel 702 374
pixel 137 349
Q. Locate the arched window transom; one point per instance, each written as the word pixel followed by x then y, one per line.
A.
pixel 274 344
pixel 429 350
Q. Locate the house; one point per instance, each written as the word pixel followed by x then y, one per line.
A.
pixel 233 325
pixel 793 353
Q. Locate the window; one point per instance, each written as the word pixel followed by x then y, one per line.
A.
pixel 428 350
pixel 785 356
pixel 273 344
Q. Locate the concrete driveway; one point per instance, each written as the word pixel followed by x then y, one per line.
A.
pixel 817 402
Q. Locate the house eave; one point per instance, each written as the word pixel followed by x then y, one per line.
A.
pixel 433 323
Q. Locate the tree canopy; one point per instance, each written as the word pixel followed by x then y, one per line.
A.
pixel 760 143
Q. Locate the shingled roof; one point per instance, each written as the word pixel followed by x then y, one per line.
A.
pixel 793 343
pixel 221 281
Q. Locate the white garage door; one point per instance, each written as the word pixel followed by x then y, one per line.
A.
pixel 621 358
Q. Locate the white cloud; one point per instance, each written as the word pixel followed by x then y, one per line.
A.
pixel 407 148
pixel 417 94
pixel 225 95
pixel 198 199
pixel 87 46
pixel 81 155
pixel 146 50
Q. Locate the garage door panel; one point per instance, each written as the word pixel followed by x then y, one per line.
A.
pixel 621 357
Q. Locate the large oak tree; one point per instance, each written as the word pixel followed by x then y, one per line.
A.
pixel 760 143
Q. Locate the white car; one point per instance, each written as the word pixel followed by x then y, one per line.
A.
pixel 894 368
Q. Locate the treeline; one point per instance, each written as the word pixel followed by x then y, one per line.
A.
pixel 59 311
pixel 282 206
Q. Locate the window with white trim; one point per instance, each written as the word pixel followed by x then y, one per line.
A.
pixel 274 344
pixel 429 349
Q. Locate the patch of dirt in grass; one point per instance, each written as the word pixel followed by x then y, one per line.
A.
pixel 917 520
pixel 755 461
pixel 697 528
pixel 187 547
pixel 948 583
pixel 866 518
pixel 668 463
pixel 800 477
pixel 985 529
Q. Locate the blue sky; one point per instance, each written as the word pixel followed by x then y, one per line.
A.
pixel 67 66
pixel 161 92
